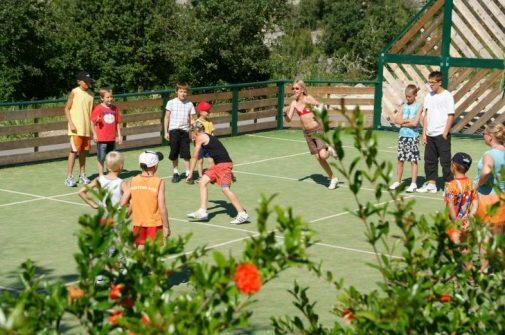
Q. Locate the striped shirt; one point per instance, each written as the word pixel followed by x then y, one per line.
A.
pixel 179 113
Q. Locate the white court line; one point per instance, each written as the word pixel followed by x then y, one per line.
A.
pixel 38 198
pixel 303 141
pixel 41 197
pixel 415 195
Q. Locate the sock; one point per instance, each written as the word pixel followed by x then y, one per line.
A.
pixel 176 171
pixel 187 173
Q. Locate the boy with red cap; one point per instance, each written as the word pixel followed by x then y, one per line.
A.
pixel 203 110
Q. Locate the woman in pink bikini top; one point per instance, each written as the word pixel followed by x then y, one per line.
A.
pixel 311 125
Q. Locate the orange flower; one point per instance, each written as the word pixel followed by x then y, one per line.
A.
pixel 107 222
pixel 115 291
pixel 247 278
pixel 444 297
pixel 74 293
pixel 115 316
pixel 348 315
pixel 145 320
pixel 454 235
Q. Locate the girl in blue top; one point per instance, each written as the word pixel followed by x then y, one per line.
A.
pixel 408 141
pixel 488 178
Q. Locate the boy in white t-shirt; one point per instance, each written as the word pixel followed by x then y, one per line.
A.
pixel 176 123
pixel 438 118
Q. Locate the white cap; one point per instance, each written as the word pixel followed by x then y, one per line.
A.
pixel 149 158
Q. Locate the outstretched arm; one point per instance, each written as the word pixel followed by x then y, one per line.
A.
pixel 83 193
pixel 194 159
pixel 163 209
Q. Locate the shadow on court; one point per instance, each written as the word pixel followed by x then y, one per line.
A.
pixel 224 208
pixel 125 174
pixel 47 273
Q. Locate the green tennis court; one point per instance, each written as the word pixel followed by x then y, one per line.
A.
pixel 39 214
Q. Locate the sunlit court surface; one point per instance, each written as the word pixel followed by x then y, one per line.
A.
pixel 39 214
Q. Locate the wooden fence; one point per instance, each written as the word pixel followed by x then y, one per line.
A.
pixel 37 131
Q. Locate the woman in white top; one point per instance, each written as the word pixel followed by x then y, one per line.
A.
pixel 111 182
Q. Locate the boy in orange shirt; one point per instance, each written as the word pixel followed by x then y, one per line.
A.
pixel 146 195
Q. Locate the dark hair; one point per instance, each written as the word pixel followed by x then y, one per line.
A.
pixel 143 167
pixel 182 85
pixel 460 168
pixel 437 75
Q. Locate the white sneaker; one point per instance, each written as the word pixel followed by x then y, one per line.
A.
pixel 200 214
pixel 394 186
pixel 333 183
pixel 412 188
pixel 428 187
pixel 83 179
pixel 242 217
pixel 70 182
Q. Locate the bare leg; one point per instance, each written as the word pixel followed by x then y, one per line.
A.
pixel 199 165
pixel 233 199
pixel 70 163
pixel 399 171
pixel 324 164
pixel 175 163
pixel 186 164
pixel 414 172
pixel 204 184
pixel 100 169
pixel 82 162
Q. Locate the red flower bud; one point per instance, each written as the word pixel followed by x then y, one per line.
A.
pixel 348 315
pixel 444 297
pixel 145 320
pixel 74 293
pixel 247 278
pixel 106 222
pixel 115 291
pixel 115 317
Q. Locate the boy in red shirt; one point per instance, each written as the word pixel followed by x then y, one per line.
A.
pixel 105 118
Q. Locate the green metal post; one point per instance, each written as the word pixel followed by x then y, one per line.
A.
pixel 164 99
pixel 446 42
pixel 234 111
pixel 280 105
pixel 377 107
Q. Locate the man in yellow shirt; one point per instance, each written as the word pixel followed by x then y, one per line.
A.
pixel 77 111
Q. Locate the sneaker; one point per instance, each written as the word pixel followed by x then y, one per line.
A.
pixel 199 214
pixel 242 217
pixel 70 182
pixel 175 178
pixel 411 189
pixel 84 180
pixel 333 183
pixel 428 187
pixel 394 186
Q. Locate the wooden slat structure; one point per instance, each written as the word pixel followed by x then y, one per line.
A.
pixel 30 133
pixel 465 39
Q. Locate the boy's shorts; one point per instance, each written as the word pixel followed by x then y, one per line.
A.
pixel 221 174
pixel 141 234
pixel 80 143
pixel 408 149
pixel 102 149
pixel 315 144
pixel 179 144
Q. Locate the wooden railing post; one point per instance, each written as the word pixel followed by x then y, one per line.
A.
pixel 234 111
pixel 280 105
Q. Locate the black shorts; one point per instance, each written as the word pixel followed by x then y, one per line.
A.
pixel 103 148
pixel 179 144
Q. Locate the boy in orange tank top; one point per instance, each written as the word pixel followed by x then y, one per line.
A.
pixel 146 195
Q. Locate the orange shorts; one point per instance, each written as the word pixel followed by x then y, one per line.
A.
pixel 221 174
pixel 141 234
pixel 80 143
pixel 485 201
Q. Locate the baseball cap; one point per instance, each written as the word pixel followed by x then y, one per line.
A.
pixel 203 106
pixel 84 76
pixel 150 158
pixel 463 159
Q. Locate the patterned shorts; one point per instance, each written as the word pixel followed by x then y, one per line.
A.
pixel 408 149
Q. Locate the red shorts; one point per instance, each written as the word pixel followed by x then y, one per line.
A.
pixel 142 233
pixel 80 143
pixel 221 174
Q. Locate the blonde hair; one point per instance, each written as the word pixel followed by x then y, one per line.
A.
pixel 497 130
pixel 114 161
pixel 303 88
pixel 104 90
pixel 411 88
pixel 197 126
